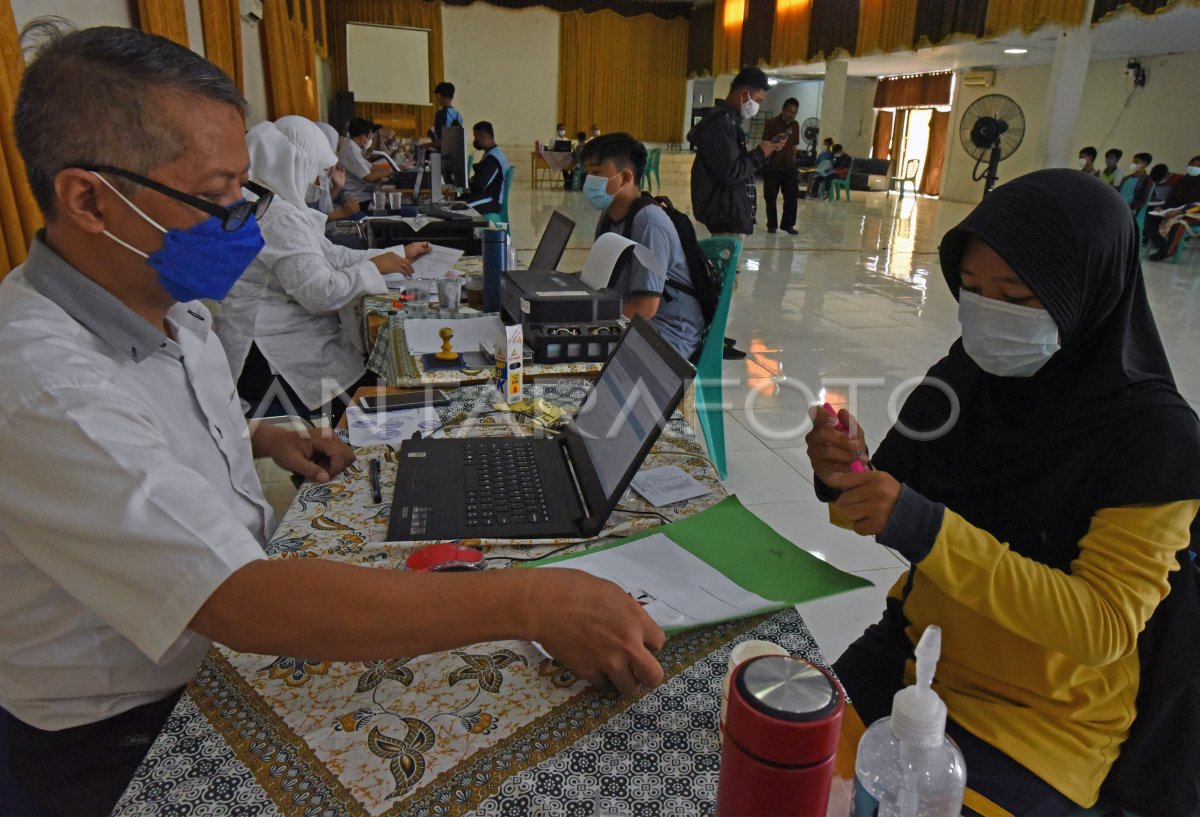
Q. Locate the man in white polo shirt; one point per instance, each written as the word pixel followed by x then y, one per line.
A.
pixel 131 518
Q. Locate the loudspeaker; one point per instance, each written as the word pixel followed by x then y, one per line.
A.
pixel 342 110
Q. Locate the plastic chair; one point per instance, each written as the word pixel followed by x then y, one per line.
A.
pixel 724 253
pixel 910 175
pixel 577 176
pixel 838 185
pixel 470 164
pixel 1190 233
pixel 653 160
pixel 502 216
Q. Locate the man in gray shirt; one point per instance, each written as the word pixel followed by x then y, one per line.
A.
pixel 615 163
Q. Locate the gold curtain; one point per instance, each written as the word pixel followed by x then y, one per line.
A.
pixel 789 43
pixel 223 36
pixel 646 98
pixel 881 142
pixel 19 214
pixel 1028 15
pixel 165 17
pixel 886 26
pixel 409 120
pixel 935 154
pixel 915 91
pixel 728 18
pixel 290 61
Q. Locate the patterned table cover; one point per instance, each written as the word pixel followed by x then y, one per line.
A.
pixel 490 729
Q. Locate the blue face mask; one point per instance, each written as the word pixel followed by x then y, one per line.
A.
pixel 595 190
pixel 203 261
pixel 1008 340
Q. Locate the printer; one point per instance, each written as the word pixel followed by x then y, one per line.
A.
pixel 563 319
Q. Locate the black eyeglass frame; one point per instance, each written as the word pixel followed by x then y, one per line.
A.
pixel 232 218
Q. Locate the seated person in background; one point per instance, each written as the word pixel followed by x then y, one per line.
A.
pixel 822 173
pixel 560 142
pixel 279 324
pixel 485 191
pixel 1045 538
pixel 1163 178
pixel 1111 172
pixel 615 163
pixel 327 195
pixel 1167 229
pixel 361 175
pixel 560 135
pixel 447 116
pixel 1087 161
pixel 115 398
pixel 595 131
pixel 1137 187
pixel 841 162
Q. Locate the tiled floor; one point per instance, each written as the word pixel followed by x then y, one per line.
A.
pixel 856 298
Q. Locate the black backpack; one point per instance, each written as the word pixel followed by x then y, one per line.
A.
pixel 705 278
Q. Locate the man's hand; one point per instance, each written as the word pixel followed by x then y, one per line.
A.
pixel 389 262
pixel 315 453
pixel 829 450
pixel 867 499
pixel 337 179
pixel 416 249
pixel 769 147
pixel 595 628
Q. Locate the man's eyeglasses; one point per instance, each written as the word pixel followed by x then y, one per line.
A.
pixel 232 218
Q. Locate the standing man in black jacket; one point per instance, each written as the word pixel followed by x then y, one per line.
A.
pixel 724 198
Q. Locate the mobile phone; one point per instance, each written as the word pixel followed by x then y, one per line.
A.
pixel 405 400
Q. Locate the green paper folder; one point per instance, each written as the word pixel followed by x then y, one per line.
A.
pixel 749 553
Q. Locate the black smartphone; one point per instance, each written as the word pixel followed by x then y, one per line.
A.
pixel 405 400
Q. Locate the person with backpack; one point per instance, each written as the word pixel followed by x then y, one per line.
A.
pixel 615 163
pixel 724 198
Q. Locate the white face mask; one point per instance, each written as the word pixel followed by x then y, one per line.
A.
pixel 1082 161
pixel 1007 340
pixel 561 134
pixel 749 108
pixel 1193 170
pixel 1135 167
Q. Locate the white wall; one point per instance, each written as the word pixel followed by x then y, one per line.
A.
pixel 253 76
pixel 807 93
pixel 83 13
pixel 195 25
pixel 504 65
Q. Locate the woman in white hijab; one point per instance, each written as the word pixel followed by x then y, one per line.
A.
pixel 324 197
pixel 281 318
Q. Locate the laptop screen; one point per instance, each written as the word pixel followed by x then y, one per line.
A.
pixel 632 397
pixel 554 241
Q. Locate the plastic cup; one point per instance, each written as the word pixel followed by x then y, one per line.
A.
pixel 419 289
pixel 450 293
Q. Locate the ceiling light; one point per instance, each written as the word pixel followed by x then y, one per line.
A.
pixel 1016 51
pixel 772 81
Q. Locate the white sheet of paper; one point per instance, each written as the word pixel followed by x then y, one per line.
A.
pixel 607 251
pixel 388 427
pixel 437 262
pixel 676 588
pixel 422 333
pixel 667 485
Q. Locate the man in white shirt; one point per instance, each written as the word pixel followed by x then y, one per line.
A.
pixel 361 175
pixel 131 521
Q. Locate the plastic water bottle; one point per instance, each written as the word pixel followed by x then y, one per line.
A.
pixel 907 766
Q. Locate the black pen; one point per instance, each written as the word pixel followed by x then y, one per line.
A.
pixel 373 470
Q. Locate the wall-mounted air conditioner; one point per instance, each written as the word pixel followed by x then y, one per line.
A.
pixel 979 79
pixel 252 11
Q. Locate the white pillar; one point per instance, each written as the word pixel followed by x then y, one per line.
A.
pixel 1072 53
pixel 833 99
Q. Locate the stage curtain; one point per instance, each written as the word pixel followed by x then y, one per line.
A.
pixel 1028 15
pixel 646 97
pixel 885 26
pixel 881 143
pixel 728 18
pixel 793 19
pixel 290 60
pixel 164 17
pixel 666 9
pixel 412 13
pixel 938 20
pixel 19 214
pixel 1103 8
pixel 834 28
pixel 935 153
pixel 917 91
pixel 223 36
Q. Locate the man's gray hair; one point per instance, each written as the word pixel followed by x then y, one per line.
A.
pixel 94 97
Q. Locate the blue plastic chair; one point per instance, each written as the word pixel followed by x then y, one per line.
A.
pixel 724 253
pixel 502 216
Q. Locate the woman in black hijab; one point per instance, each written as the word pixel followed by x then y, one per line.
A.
pixel 1044 481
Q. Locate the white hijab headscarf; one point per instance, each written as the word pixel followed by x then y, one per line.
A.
pixel 331 134
pixel 288 156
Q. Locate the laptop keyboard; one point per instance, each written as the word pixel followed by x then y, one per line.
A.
pixel 503 484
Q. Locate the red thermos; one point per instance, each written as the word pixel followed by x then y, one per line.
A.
pixel 781 734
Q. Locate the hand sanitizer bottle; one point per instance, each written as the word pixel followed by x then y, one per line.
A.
pixel 907 766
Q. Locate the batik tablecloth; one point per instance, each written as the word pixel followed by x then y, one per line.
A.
pixel 490 729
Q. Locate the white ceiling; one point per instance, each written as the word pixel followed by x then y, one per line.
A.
pixel 1119 37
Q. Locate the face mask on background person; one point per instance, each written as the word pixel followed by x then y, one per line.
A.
pixel 1193 170
pixel 1135 167
pixel 749 107
pixel 595 190
pixel 203 261
pixel 1008 340
pixel 1083 161
pixel 561 133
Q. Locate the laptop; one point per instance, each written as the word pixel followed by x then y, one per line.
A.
pixel 565 486
pixel 562 146
pixel 554 241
